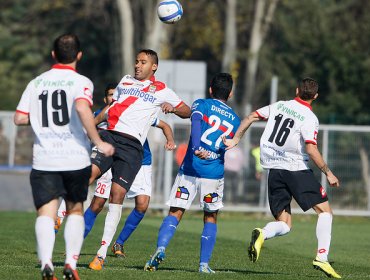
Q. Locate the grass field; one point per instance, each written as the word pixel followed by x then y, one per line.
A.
pixel 288 257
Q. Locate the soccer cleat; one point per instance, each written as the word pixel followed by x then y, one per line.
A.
pixel 326 268
pixel 48 274
pixel 58 223
pixel 155 260
pixel 255 246
pixel 69 273
pixel 118 250
pixel 205 269
pixel 97 263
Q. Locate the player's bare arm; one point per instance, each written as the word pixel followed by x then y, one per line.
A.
pixel 244 125
pixel 87 119
pixel 168 133
pixel 21 118
pixel 183 111
pixel 101 116
pixel 316 157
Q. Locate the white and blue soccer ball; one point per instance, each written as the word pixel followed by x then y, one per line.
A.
pixel 169 11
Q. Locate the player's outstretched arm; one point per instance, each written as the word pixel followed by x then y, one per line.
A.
pixel 183 111
pixel 316 157
pixel 244 125
pixel 168 133
pixel 87 119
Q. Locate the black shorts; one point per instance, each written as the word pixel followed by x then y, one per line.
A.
pixel 49 185
pixel 301 185
pixel 126 161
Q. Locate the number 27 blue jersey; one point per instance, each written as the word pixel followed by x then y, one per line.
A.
pixel 218 120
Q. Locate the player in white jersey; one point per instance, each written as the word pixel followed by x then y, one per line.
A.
pixel 136 103
pixel 57 105
pixel 287 143
pixel 202 170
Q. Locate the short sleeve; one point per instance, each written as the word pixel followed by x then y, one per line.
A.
pixel 264 112
pixel 86 91
pixel 197 107
pixel 310 131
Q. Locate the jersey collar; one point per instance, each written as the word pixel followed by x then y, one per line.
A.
pixel 62 66
pixel 303 102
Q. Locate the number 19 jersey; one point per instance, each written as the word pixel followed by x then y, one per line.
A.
pixel 218 120
pixel 61 143
pixel 290 125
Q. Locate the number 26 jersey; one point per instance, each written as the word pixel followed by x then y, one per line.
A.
pixel 290 125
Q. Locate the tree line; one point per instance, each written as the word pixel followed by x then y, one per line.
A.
pixel 254 40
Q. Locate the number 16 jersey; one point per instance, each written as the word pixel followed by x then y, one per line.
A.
pixel 290 125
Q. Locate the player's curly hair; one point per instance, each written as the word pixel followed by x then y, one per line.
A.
pixel 308 88
pixel 66 47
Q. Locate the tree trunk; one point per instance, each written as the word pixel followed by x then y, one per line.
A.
pixel 261 23
pixel 127 36
pixel 229 54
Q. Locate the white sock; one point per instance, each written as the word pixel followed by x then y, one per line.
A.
pixel 74 237
pixel 273 229
pixel 111 222
pixel 62 211
pixel 45 236
pixel 323 234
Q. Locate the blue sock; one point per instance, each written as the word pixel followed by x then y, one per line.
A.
pixel 166 231
pixel 90 218
pixel 132 221
pixel 207 242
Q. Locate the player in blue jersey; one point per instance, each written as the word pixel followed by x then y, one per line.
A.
pixel 201 171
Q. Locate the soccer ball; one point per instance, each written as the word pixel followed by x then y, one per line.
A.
pixel 169 11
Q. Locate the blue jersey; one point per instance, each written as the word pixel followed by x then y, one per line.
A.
pixel 147 158
pixel 217 120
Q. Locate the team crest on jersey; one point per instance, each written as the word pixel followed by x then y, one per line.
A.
pixel 182 193
pixel 195 105
pixel 323 192
pixel 152 89
pixel 211 198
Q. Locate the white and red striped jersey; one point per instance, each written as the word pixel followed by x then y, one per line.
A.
pixel 290 124
pixel 61 143
pixel 137 104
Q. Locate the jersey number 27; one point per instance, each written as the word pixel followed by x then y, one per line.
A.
pixel 216 124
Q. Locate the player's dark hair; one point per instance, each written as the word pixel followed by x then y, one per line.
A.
pixel 66 48
pixel 307 89
pixel 109 87
pixel 151 53
pixel 221 86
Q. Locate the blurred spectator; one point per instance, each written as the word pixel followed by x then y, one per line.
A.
pixel 234 163
pixel 4 146
pixel 256 153
pixel 180 153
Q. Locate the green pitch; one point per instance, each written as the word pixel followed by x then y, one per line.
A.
pixel 288 257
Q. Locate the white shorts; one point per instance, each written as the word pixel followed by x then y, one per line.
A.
pixel 185 189
pixel 142 184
